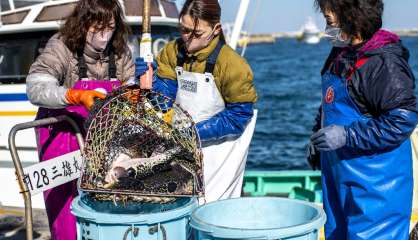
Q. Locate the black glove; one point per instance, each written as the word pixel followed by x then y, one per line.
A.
pixel 313 157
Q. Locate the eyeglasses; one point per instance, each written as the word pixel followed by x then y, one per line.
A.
pixel 196 33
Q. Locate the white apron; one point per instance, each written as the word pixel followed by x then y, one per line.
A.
pixel 223 164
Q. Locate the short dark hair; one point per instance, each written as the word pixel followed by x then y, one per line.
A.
pixel 355 17
pixel 89 12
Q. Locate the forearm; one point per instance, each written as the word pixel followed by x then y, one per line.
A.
pixel 227 124
pixel 43 90
pixel 382 133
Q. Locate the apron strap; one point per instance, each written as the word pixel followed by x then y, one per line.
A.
pixel 181 53
pixel 112 65
pixel 210 63
pixel 82 66
pixel 360 62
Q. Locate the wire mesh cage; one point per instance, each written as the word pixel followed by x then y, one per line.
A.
pixel 141 146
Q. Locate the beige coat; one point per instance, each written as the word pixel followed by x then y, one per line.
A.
pixel 56 70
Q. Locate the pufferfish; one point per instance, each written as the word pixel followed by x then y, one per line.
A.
pixel 136 152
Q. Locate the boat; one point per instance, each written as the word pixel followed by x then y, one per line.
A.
pixel 310 33
pixel 25 26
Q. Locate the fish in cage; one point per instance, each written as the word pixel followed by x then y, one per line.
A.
pixel 141 144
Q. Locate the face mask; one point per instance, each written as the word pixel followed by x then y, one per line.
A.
pixel 195 44
pixel 334 35
pixel 99 40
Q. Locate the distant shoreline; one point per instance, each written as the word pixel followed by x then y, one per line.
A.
pixel 271 37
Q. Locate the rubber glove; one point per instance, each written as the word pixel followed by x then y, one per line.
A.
pixel 83 97
pixel 313 157
pixel 329 138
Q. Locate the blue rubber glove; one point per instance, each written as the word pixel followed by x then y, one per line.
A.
pixel 329 138
pixel 141 67
pixel 166 87
pixel 227 124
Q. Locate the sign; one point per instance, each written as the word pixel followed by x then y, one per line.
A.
pixel 54 172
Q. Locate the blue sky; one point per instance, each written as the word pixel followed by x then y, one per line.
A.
pixel 289 15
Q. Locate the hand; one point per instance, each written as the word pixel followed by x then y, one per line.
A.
pixel 83 97
pixel 313 157
pixel 330 138
pixel 141 67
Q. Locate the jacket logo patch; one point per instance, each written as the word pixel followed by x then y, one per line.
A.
pixel 329 96
pixel 189 86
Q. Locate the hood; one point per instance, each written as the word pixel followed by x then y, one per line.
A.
pixel 383 42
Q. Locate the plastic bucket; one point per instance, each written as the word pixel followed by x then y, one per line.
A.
pixel 101 221
pixel 258 218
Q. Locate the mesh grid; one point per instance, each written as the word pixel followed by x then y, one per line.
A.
pixel 140 145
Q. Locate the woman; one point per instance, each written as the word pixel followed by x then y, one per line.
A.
pixel 368 112
pixel 215 86
pixel 89 52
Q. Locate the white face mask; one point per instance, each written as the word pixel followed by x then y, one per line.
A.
pixel 195 44
pixel 334 35
pixel 99 40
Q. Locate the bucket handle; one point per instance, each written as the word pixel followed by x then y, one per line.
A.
pixel 132 229
pixel 155 229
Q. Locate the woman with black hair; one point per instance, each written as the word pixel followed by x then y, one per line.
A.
pixel 89 53
pixel 367 114
pixel 215 86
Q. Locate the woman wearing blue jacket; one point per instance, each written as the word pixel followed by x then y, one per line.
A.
pixel 367 114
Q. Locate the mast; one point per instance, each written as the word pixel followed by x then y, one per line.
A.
pixel 239 22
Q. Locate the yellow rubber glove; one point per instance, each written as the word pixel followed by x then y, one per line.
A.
pixel 168 116
pixel 83 97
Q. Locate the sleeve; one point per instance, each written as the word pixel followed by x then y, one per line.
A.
pixel 389 94
pixel 42 83
pixel 128 67
pixel 383 133
pixel 390 86
pixel 166 62
pixel 227 124
pixel 237 85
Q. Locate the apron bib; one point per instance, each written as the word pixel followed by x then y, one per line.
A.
pixel 224 163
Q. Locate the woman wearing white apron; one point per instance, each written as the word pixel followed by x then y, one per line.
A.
pixel 215 86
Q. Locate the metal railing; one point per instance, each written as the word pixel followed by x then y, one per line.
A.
pixel 18 165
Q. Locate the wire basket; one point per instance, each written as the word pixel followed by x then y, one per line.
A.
pixel 141 146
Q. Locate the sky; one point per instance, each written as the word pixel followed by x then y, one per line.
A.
pixel 267 16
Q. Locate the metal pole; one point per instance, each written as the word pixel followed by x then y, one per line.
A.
pixel 239 21
pixel 18 165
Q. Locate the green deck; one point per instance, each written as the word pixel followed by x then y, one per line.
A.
pixel 303 185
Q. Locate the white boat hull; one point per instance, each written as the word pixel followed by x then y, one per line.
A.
pixel 14 110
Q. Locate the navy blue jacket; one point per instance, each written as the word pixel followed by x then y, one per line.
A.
pixel 383 90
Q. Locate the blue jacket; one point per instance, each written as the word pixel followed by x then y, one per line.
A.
pixel 383 90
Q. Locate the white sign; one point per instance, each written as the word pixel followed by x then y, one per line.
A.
pixel 54 172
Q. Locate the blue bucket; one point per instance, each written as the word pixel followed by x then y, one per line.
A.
pixel 104 220
pixel 258 218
